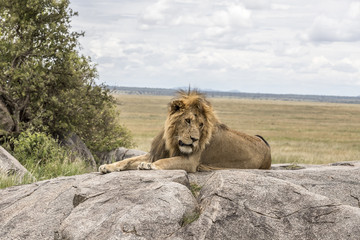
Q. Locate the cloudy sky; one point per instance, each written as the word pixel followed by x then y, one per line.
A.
pixel 266 46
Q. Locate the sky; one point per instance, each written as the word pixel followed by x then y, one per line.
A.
pixel 260 46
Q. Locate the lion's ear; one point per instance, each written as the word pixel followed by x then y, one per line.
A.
pixel 176 105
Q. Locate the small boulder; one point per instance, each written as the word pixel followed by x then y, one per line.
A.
pixel 78 147
pixel 119 154
pixel 10 165
pixel 6 122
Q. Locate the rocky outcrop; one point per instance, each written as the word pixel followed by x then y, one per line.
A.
pixel 6 122
pixel 262 205
pixel 317 202
pixel 74 143
pixel 93 206
pixel 11 166
pixel 118 154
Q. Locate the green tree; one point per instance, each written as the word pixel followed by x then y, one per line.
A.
pixel 46 83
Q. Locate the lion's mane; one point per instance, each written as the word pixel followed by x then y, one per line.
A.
pixel 165 144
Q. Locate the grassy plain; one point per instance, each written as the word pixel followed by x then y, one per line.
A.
pixel 298 132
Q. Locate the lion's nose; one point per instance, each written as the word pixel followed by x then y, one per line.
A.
pixel 194 139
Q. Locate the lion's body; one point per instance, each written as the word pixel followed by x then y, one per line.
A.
pixel 194 139
pixel 232 149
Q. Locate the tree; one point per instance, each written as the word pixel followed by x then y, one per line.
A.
pixel 45 83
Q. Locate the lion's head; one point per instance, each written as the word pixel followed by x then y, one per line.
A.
pixel 189 125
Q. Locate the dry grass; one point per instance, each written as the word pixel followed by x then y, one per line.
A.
pixel 298 132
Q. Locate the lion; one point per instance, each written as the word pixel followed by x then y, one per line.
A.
pixel 193 139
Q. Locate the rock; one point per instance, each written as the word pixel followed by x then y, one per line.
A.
pixel 126 205
pixel 78 147
pixel 119 154
pixel 6 122
pixel 232 204
pixel 340 181
pixel 11 166
pixel 253 205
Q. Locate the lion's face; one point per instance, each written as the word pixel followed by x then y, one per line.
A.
pixel 189 129
pixel 189 124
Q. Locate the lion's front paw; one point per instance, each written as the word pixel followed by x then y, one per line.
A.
pixel 105 169
pixel 146 166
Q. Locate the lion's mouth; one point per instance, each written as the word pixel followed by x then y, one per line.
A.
pixel 182 144
pixel 185 148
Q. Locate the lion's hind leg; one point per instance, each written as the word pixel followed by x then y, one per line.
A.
pixel 207 168
pixel 127 164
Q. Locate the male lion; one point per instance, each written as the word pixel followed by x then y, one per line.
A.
pixel 193 139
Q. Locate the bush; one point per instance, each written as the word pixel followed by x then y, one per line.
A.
pixel 44 158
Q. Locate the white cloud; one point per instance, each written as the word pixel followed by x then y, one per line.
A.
pixel 320 62
pixel 354 10
pixel 332 29
pixel 257 4
pixel 290 49
pixel 234 15
pixel 249 45
pixel 155 14
pixel 276 6
pixel 345 65
pixel 165 13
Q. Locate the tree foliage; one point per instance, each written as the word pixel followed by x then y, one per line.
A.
pixel 46 83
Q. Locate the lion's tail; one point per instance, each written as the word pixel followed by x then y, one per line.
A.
pixel 263 140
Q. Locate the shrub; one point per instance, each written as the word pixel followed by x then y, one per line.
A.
pixel 44 158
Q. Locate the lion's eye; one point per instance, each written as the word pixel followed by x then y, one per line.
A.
pixel 187 120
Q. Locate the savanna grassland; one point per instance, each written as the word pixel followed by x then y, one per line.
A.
pixel 298 132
